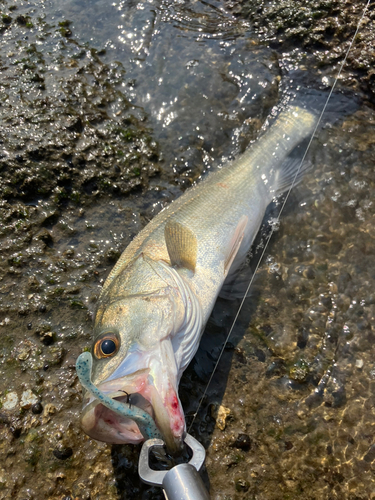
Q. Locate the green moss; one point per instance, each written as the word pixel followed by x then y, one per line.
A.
pixel 65 23
pixel 77 304
pixel 16 260
pixel 6 19
pixel 32 454
pixel 128 135
pixel 65 32
pixel 75 196
pixel 64 28
pixel 32 436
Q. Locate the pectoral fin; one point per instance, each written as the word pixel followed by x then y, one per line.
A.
pixel 181 244
pixel 235 243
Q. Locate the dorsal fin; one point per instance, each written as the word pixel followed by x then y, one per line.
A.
pixel 182 245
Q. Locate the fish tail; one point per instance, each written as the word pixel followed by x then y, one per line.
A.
pixel 289 174
pixel 315 109
pixel 297 126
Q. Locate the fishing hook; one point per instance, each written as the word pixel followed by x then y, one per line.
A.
pixel 128 396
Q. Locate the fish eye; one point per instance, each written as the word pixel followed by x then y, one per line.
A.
pixel 106 345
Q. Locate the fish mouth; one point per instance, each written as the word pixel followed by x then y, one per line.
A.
pixel 102 424
pixel 138 390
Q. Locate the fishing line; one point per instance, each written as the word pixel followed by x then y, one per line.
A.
pixel 274 225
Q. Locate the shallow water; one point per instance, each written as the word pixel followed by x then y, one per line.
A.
pixel 297 377
pixel 197 72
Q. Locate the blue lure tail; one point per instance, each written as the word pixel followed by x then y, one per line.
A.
pixel 144 421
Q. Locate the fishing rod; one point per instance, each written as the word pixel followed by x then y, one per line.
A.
pixel 182 481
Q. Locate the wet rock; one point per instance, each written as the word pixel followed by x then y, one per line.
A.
pixel 370 455
pixel 260 354
pixel 275 368
pixel 33 284
pixel 47 338
pixel 55 355
pixel 112 255
pixel 3 480
pixel 343 281
pixel 318 27
pixel 309 273
pixel 326 300
pixel 45 236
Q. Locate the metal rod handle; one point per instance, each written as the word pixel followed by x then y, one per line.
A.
pixel 183 482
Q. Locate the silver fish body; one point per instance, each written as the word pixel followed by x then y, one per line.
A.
pixel 158 297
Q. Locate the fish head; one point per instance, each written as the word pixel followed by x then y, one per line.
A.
pixel 134 361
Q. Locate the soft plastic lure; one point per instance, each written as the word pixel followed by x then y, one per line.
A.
pixel 144 421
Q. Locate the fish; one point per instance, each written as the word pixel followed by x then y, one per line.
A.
pixel 155 302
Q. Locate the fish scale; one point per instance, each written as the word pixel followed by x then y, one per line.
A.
pixel 213 208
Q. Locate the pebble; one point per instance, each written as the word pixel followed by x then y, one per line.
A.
pixel 62 452
pixel 221 414
pixel 243 442
pixel 242 485
pixel 49 409
pixel 24 354
pixel 37 408
pixel 10 401
pixel 28 399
